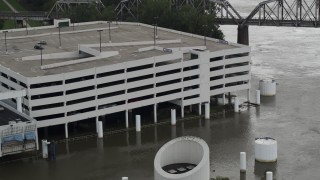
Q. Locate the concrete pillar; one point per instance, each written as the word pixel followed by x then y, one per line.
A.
pixel 258 97
pixel 236 104
pixel 127 118
pixel 124 178
pixel 182 111
pixel 155 113
pixel 190 108
pixel 223 99
pixel 248 95
pixel 229 98
pixel 199 109
pixel 243 165
pixel 173 117
pixel 97 126
pixel 269 175
pixel 243 34
pixel 100 129
pixel 44 149
pixel 138 123
pixel 19 104
pixel 66 130
pixel 207 111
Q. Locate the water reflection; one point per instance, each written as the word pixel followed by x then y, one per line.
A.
pixel 138 138
pixel 269 101
pixel 243 176
pixel 173 132
pixel 155 134
pixel 67 146
pixel 260 169
pixel 100 145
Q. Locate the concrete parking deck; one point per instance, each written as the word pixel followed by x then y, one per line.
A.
pixel 20 45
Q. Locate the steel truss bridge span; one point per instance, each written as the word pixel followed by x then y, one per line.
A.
pixel 297 13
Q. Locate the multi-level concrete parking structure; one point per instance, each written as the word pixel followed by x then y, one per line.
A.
pixel 84 79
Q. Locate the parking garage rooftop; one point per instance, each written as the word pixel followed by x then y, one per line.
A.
pixel 20 46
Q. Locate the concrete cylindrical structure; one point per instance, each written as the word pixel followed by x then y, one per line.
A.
pixel 124 178
pixel 268 87
pixel 269 175
pixel 138 123
pixel 258 97
pixel 190 151
pixel 100 129
pixel 173 117
pixel 236 104
pixel 19 104
pixel 243 163
pixel 266 149
pixel 44 149
pixel 207 110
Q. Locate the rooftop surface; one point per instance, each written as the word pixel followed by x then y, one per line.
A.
pixel 19 45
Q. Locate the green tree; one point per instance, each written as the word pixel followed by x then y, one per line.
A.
pixel 186 18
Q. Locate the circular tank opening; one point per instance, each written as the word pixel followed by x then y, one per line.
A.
pixel 178 168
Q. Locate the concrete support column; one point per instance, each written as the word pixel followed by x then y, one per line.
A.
pixel 100 129
pixel 243 165
pixel 207 111
pixel 258 97
pixel 236 104
pixel 127 118
pixel 248 95
pixel 44 149
pixel 182 111
pixel 155 113
pixel 97 126
pixel 19 104
pixel 223 99
pixel 243 34
pixel 199 109
pixel 66 130
pixel 173 117
pixel 138 123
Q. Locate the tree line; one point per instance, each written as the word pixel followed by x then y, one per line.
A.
pixel 185 18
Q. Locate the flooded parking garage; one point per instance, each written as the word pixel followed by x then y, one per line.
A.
pixel 291 117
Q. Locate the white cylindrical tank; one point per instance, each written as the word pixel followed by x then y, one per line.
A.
pixel 243 163
pixel 207 110
pixel 173 117
pixel 190 151
pixel 138 123
pixel 125 178
pixel 100 129
pixel 268 87
pixel 266 149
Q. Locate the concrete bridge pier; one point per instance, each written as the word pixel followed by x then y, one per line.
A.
pixel 243 34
